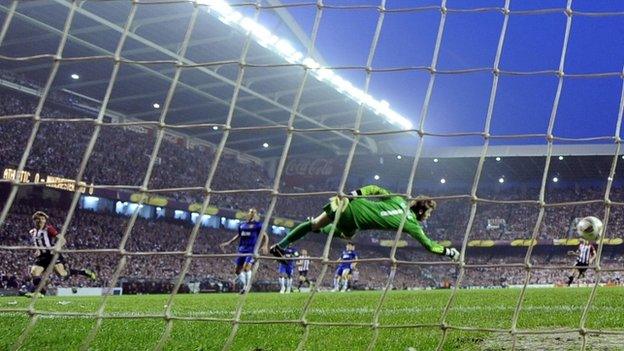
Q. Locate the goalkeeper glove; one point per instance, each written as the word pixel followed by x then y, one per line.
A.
pixel 452 253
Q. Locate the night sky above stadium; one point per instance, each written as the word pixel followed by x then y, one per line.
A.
pixel 587 108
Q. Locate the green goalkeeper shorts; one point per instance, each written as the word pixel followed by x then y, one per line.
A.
pixel 338 232
pixel 345 227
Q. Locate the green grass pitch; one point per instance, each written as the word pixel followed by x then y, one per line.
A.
pixel 542 309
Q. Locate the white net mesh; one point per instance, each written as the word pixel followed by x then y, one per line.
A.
pixel 180 62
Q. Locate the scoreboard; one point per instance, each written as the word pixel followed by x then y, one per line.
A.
pixel 46 179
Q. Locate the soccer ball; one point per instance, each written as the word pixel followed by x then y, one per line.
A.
pixel 589 228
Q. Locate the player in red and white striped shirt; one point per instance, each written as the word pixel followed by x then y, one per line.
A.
pixel 303 265
pixel 585 255
pixel 43 236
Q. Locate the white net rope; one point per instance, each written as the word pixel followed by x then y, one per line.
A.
pixel 180 62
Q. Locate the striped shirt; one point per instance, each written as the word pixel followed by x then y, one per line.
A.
pixel 45 238
pixel 585 251
pixel 303 264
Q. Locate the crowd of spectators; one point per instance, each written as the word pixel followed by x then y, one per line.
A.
pixel 451 217
pixel 121 157
pixel 90 230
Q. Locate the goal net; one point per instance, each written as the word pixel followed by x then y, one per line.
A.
pixel 220 106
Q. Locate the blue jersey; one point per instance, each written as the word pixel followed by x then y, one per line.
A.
pixel 249 232
pixel 348 255
pixel 288 253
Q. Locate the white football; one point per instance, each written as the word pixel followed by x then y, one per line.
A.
pixel 589 228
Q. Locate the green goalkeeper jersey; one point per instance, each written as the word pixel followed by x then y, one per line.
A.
pixel 385 213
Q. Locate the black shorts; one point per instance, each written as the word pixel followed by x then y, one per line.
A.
pixel 303 273
pixel 45 259
pixel 581 270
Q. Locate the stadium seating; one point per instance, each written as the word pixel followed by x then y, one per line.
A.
pixel 121 157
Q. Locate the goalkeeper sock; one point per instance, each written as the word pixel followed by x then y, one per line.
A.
pixel 299 232
pixel 570 279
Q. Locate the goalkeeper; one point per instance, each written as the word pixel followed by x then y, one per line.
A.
pixel 361 213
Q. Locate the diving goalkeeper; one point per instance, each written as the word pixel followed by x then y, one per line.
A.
pixel 361 213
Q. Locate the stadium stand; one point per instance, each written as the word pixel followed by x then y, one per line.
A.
pixel 184 166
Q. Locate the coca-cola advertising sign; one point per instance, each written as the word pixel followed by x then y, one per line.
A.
pixel 301 170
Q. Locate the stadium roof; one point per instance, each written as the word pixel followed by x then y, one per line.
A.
pixel 460 171
pixel 203 93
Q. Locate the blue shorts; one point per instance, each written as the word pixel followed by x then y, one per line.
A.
pixel 343 269
pixel 285 269
pixel 242 260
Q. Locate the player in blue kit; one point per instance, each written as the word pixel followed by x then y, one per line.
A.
pixel 343 273
pixel 249 232
pixel 285 270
